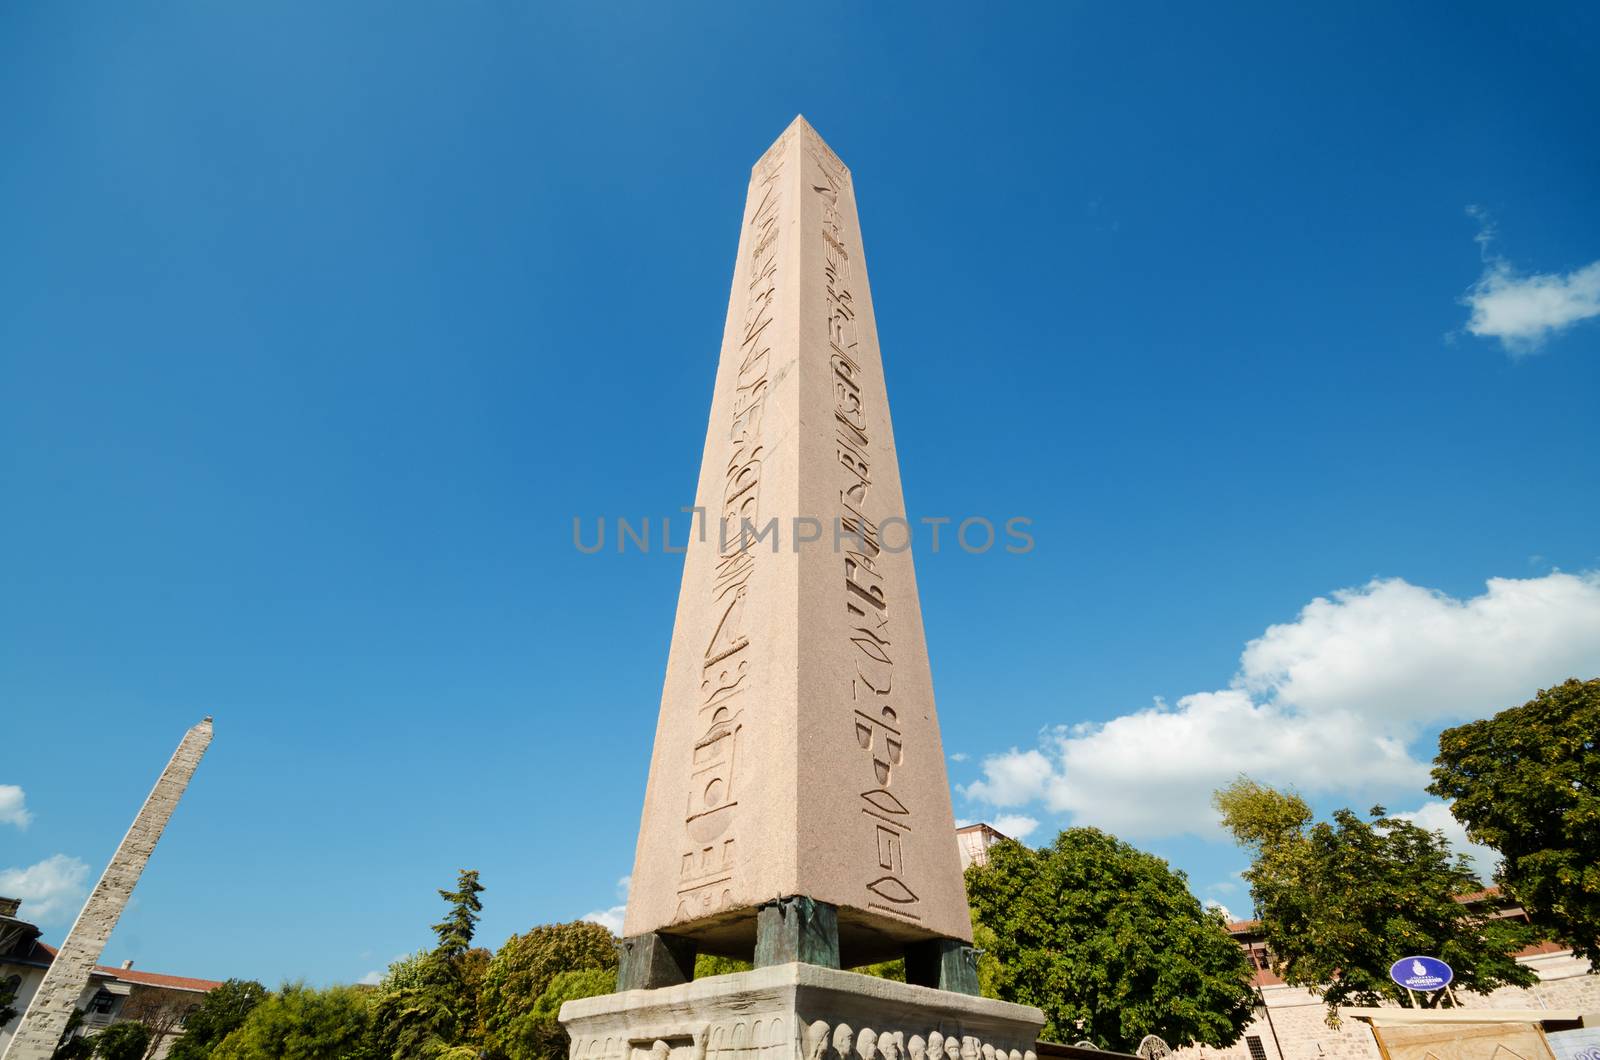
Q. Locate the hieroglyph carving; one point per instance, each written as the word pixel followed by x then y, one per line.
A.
pixel 866 599
pixel 707 866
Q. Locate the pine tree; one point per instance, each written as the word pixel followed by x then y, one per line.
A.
pixel 455 931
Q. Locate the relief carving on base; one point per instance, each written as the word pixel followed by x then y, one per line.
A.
pixel 776 1037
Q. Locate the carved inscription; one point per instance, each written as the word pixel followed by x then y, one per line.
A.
pixel 707 867
pixel 877 723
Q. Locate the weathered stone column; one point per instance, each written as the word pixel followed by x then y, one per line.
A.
pixel 52 1006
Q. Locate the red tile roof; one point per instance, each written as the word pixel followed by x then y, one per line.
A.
pixel 130 975
pixel 169 982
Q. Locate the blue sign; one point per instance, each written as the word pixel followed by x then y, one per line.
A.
pixel 1421 973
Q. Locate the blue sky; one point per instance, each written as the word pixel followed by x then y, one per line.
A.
pixel 320 324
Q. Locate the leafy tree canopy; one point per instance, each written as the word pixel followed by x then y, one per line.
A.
pixel 1108 941
pixel 406 973
pixel 8 995
pixel 122 1041
pixel 538 1032
pixel 300 1023
pixel 1340 902
pixel 984 940
pixel 706 965
pixel 520 974
pixel 1527 782
pixel 412 1023
pixel 220 1012
pixel 70 1046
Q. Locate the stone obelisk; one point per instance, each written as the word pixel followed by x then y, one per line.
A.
pixel 798 809
pixel 797 762
pixel 53 1003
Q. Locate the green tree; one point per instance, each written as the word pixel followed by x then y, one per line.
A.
pixel 428 1004
pixel 71 1045
pixel 539 1033
pixel 456 930
pixel 122 1041
pixel 413 1023
pixel 404 974
pixel 1340 902
pixel 984 940
pixel 520 974
pixel 892 969
pixel 220 1012
pixel 1108 941
pixel 706 965
pixel 300 1023
pixel 1527 783
pixel 8 995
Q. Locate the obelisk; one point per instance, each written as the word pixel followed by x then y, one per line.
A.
pixel 797 763
pixel 53 1003
pixel 798 809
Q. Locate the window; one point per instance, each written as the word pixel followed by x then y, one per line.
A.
pixel 102 1003
pixel 1257 1050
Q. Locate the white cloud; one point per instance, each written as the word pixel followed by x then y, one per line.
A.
pixel 1227 914
pixel 1012 779
pixel 1328 703
pixel 1394 649
pixel 372 978
pixel 1435 816
pixel 1522 311
pixel 611 918
pixel 13 806
pixel 1016 825
pixel 960 756
pixel 51 890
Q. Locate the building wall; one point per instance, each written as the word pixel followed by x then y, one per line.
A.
pixel 973 843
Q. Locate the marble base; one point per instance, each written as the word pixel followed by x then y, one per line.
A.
pixel 798 1012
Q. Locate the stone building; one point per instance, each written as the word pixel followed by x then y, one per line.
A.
pixel 112 995
pixel 973 842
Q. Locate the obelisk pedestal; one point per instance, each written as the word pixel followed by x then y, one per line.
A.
pixel 799 1012
pixel 798 809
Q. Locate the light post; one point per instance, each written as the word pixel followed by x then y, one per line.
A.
pixel 1261 1010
